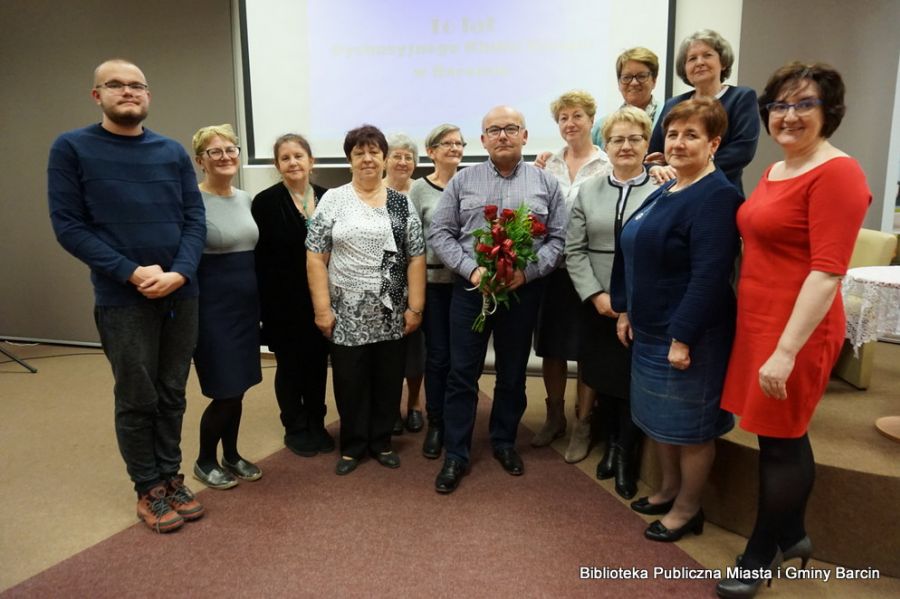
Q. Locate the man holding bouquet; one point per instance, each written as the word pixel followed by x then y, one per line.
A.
pixel 506 181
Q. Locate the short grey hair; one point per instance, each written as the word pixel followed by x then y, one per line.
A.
pixel 440 132
pixel 714 41
pixel 401 141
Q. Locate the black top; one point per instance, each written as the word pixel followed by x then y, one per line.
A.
pixel 286 306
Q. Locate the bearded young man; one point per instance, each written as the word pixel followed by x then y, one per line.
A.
pixel 124 201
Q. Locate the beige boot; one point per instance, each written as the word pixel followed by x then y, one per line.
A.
pixel 580 442
pixel 555 425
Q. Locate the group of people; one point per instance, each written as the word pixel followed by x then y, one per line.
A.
pixel 634 279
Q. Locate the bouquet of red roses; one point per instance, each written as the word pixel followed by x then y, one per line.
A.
pixel 506 245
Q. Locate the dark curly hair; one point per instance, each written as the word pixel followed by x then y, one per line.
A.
pixel 363 136
pixel 792 76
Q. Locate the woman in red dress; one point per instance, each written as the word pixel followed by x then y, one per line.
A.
pixel 801 222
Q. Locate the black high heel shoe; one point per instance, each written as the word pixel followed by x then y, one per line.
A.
pixel 801 549
pixel 658 532
pixel 741 588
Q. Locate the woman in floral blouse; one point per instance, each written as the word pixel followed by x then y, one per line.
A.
pixel 366 269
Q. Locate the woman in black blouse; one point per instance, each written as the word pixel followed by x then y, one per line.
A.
pixel 281 213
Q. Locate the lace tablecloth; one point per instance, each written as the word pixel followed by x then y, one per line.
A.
pixel 872 303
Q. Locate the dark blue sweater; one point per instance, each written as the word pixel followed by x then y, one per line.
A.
pixel 119 202
pixel 682 260
pixel 739 142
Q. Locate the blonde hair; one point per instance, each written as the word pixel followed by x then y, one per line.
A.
pixel 641 55
pixel 627 114
pixel 205 134
pixel 574 98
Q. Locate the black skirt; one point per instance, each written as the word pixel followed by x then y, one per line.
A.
pixel 605 362
pixel 558 331
pixel 227 356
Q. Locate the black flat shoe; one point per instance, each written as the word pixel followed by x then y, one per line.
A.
pixel 243 469
pixel 434 442
pixel 324 441
pixel 450 475
pixel 510 460
pixel 657 532
pixel 414 421
pixel 345 466
pixel 302 444
pixel 388 460
pixel 398 426
pixel 643 506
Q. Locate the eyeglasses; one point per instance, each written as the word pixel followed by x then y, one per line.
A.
pixel 801 108
pixel 450 144
pixel 641 78
pixel 118 87
pixel 510 130
pixel 218 153
pixel 617 142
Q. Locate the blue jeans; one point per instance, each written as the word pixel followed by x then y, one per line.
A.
pixel 149 347
pixel 512 329
pixel 436 327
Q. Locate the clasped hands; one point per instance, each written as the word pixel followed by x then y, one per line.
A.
pixel 153 283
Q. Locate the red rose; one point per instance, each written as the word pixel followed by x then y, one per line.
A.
pixel 490 212
pixel 537 228
pixel 507 214
pixel 498 233
pixel 483 248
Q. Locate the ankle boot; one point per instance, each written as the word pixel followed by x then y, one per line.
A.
pixel 606 468
pixel 434 439
pixel 580 442
pixel 555 425
pixel 626 480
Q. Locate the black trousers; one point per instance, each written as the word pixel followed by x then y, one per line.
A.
pixel 368 383
pixel 300 378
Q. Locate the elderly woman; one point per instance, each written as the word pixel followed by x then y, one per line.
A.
pixel 227 353
pixel 636 72
pixel 281 212
pixel 366 268
pixel 398 167
pixel 556 335
pixel 600 208
pixel 671 288
pixel 444 146
pixel 799 228
pixel 704 62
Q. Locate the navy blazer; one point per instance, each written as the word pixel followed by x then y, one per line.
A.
pixel 682 260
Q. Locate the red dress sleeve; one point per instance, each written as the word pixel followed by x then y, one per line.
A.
pixel 838 200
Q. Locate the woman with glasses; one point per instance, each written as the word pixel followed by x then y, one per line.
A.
pixel 227 354
pixel 398 170
pixel 282 213
pixel 671 285
pixel 799 228
pixel 704 62
pixel 636 72
pixel 366 267
pixel 556 335
pixel 444 145
pixel 602 205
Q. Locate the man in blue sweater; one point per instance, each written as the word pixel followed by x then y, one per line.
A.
pixel 124 201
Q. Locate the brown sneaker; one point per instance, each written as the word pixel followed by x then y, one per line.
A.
pixel 183 501
pixel 155 511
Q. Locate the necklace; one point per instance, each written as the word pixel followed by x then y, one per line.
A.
pixel 304 198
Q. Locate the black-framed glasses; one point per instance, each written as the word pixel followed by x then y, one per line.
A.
pixel 641 78
pixel 801 108
pixel 619 141
pixel 119 87
pixel 218 153
pixel 510 130
pixel 446 145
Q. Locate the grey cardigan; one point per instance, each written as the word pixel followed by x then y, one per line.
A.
pixel 600 209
